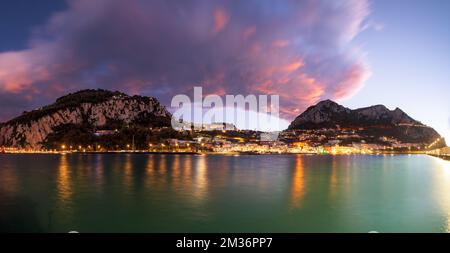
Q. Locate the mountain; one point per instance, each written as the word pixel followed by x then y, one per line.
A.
pixel 94 109
pixel 374 120
pixel 330 114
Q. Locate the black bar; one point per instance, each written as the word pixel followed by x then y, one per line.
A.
pixel 171 242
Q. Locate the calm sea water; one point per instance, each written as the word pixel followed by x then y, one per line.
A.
pixel 217 193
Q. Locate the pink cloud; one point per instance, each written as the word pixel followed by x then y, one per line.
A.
pixel 301 50
pixel 221 19
pixel 280 43
pixel 293 66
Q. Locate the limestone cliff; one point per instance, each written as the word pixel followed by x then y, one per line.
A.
pixel 93 107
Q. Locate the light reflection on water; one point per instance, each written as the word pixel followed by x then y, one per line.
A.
pixel 298 184
pixel 213 193
pixel 334 179
pixel 128 173
pixel 201 179
pixel 442 190
pixel 9 180
pixel 64 181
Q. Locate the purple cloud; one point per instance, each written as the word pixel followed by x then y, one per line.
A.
pixel 301 50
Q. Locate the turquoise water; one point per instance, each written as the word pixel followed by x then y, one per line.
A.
pixel 218 193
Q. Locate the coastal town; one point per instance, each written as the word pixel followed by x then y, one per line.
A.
pixel 220 138
pixel 93 121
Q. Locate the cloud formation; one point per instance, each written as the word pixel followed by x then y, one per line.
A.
pixel 301 50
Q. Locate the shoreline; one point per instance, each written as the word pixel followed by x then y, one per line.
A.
pixel 212 153
pixel 444 157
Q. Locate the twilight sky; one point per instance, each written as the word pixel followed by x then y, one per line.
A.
pixel 357 52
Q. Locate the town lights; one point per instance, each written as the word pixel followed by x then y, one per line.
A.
pixel 63 146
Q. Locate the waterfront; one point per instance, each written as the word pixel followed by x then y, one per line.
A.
pixel 223 193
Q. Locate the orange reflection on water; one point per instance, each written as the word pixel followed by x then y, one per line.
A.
pixel 153 178
pixel 150 167
pixel 187 169
pixel 176 172
pixel 298 183
pixel 333 179
pixel 99 171
pixel 183 174
pixel 9 180
pixel 162 165
pixel 128 171
pixel 64 185
pixel 176 166
pixel 158 173
pixel 201 179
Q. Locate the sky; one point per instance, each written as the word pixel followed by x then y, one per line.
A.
pixel 357 52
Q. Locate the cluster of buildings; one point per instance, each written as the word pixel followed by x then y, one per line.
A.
pixel 442 152
pixel 322 141
pixel 224 138
pixel 347 141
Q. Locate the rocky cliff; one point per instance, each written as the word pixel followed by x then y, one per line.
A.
pixel 96 108
pixel 374 120
pixel 330 114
